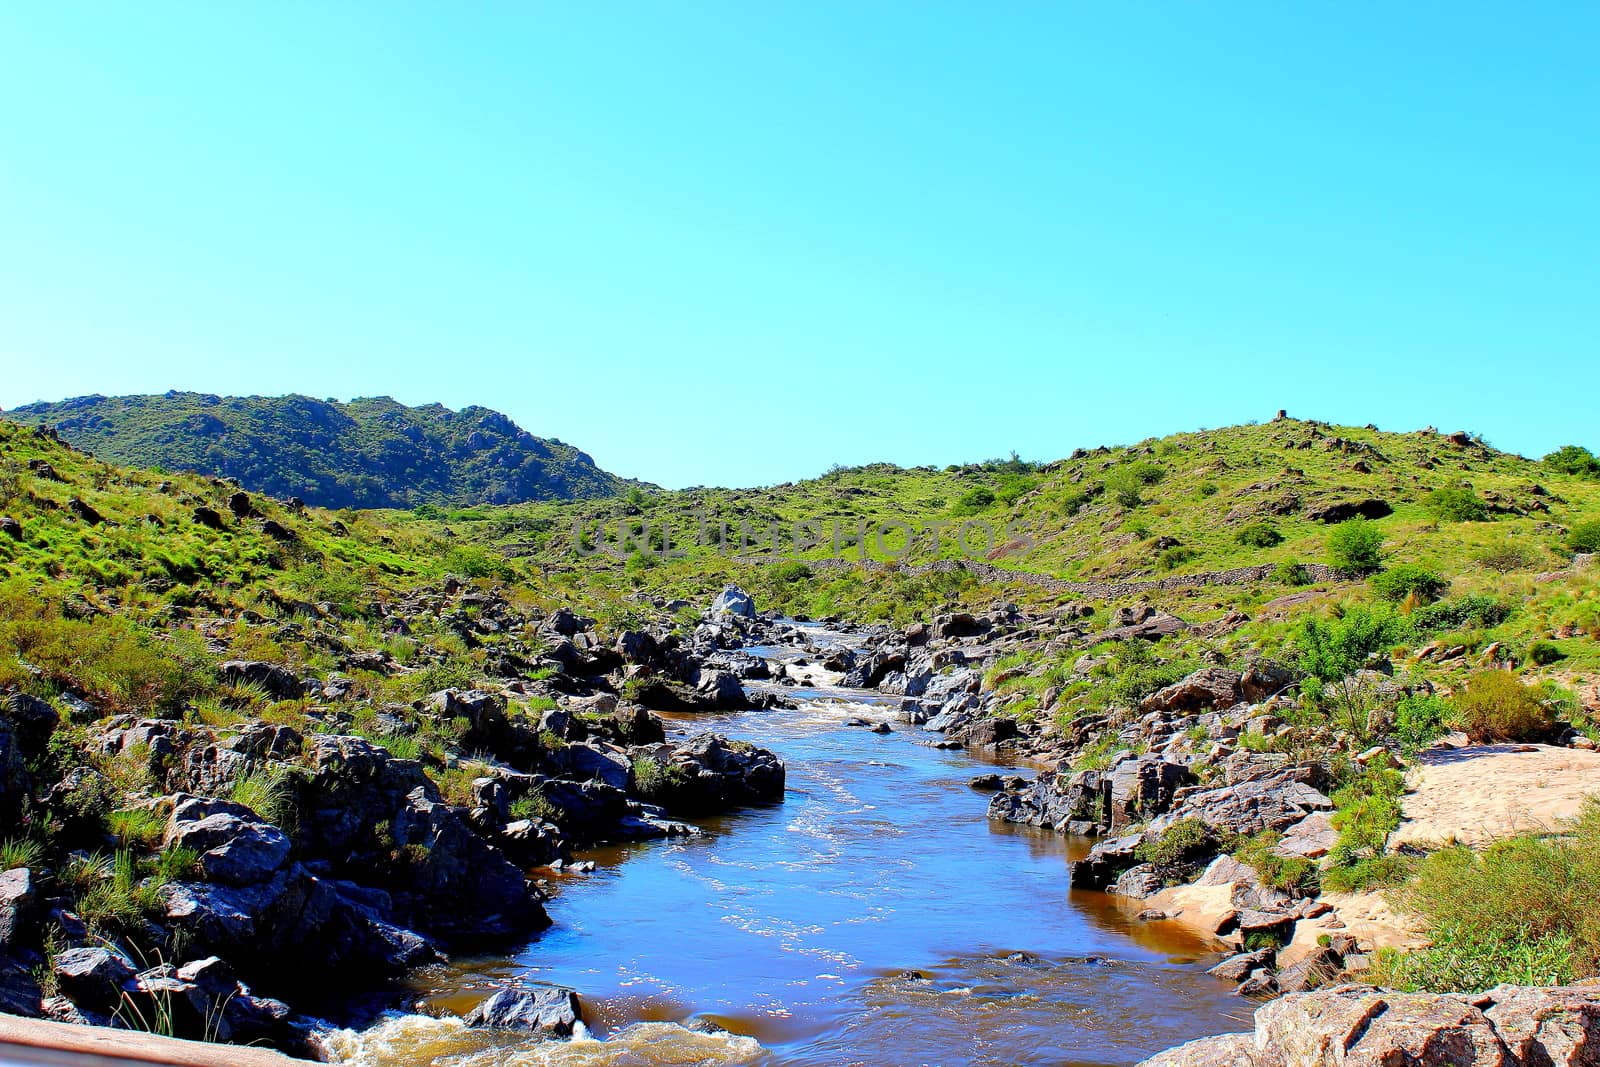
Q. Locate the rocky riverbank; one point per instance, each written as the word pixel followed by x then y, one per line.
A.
pixel 296 865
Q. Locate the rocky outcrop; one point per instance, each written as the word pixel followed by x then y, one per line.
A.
pixel 1359 1026
pixel 708 773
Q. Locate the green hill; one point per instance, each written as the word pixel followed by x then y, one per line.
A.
pixel 369 453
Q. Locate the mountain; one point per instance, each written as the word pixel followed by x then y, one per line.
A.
pixel 372 452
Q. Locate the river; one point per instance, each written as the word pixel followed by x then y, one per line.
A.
pixel 784 935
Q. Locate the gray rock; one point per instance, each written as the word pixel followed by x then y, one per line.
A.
pixel 93 977
pixel 233 849
pixel 550 1011
pixel 18 904
pixel 278 682
pixel 734 601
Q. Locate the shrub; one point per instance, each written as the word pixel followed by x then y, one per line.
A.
pixel 1334 649
pixel 790 571
pixel 1494 706
pixel 974 500
pixel 656 781
pixel 1367 812
pixel 1573 459
pixel 1175 557
pixel 1408 580
pixel 136 827
pixel 1419 720
pixel 1522 911
pixel 1544 653
pixel 1180 847
pixel 1475 610
pixel 1585 537
pixel 1276 871
pixel 1356 545
pixel 1124 486
pixel 1506 556
pixel 1259 535
pixel 1456 504
pixel 1071 501
pixel 1291 573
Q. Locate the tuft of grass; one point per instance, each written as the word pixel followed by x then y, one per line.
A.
pixel 269 792
pixel 20 852
pixel 138 828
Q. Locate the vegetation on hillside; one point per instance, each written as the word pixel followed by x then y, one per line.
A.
pixel 368 453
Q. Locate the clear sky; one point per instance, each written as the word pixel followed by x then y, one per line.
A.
pixel 735 243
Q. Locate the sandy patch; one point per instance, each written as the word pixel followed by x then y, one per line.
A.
pixel 1478 794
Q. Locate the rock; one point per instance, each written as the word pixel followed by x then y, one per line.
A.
pixel 1238 968
pixel 1318 968
pixel 33 721
pixel 10 527
pixel 709 773
pixel 1082 806
pixel 1105 862
pixel 85 511
pixel 1276 800
pixel 721 690
pixel 1144 787
pixel 240 505
pixel 1358 1027
pixel 210 518
pixel 19 992
pixel 734 601
pixel 18 904
pixel 13 775
pixel 957 625
pixel 1228 1050
pixel 1558 1026
pixel 1138 882
pixel 278 682
pixel 985 783
pixel 1260 983
pixel 987 733
pixel 550 1011
pixel 1311 838
pixel 1206 689
pixel 93 977
pixel 234 849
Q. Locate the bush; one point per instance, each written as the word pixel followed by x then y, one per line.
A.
pixel 1544 653
pixel 1124 486
pixel 1356 545
pixel 1585 537
pixel 1521 911
pixel 1505 557
pixel 1175 557
pixel 1409 580
pixel 1495 707
pixel 1573 459
pixel 1276 872
pixel 1367 812
pixel 1259 535
pixel 1456 504
pixel 1291 573
pixel 1334 649
pixel 1475 610
pixel 790 571
pixel 974 500
pixel 1180 848
pixel 1419 720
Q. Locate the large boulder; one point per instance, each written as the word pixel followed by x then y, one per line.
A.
pixel 18 904
pixel 235 849
pixel 31 719
pixel 1359 1026
pixel 13 775
pixel 277 682
pixel 549 1011
pixel 1143 787
pixel 1078 805
pixel 1276 800
pixel 19 990
pixel 93 977
pixel 721 691
pixel 734 601
pixel 707 773
pixel 1206 689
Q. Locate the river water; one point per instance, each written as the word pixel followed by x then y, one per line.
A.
pixel 784 935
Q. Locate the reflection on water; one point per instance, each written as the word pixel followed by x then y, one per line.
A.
pixel 789 925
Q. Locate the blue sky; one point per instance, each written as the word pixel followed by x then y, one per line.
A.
pixel 736 243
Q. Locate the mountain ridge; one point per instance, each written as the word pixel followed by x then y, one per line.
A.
pixel 368 452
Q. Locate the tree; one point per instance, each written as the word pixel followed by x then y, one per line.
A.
pixel 1356 545
pixel 1574 459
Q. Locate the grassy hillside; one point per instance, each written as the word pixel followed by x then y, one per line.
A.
pixel 369 453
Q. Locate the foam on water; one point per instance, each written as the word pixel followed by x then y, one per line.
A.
pixel 418 1039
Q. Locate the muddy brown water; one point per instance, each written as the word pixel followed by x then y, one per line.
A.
pixel 782 935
